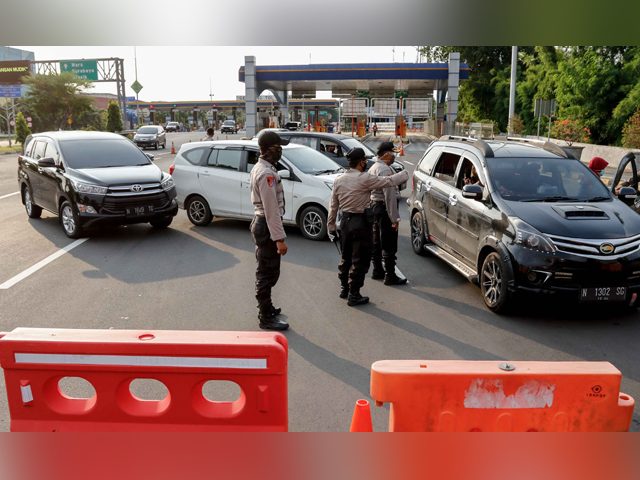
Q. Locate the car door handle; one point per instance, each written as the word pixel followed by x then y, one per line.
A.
pixel 453 199
pixel 204 172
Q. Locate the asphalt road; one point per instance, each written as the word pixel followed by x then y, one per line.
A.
pixel 202 279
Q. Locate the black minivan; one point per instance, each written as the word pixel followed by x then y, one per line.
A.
pixel 91 177
pixel 520 217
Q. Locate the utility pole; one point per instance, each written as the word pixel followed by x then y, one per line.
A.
pixel 512 88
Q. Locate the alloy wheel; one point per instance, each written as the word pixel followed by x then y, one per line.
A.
pixel 28 204
pixel 197 211
pixel 416 232
pixel 312 223
pixel 492 282
pixel 68 221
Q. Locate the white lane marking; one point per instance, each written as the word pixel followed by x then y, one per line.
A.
pixel 404 161
pixel 9 195
pixel 34 268
pixel 140 361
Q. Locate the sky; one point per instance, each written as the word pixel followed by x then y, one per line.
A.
pixel 193 72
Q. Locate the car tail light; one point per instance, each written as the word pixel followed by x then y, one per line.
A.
pixel 172 167
pixel 413 183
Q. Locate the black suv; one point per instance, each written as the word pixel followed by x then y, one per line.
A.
pixel 525 217
pixel 335 146
pixel 150 136
pixel 89 177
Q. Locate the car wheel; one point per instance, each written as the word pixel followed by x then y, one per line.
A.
pixel 313 223
pixel 155 147
pixel 418 237
pixel 69 220
pixel 198 211
pixel 493 283
pixel 161 222
pixel 33 211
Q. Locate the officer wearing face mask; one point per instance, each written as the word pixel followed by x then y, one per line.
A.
pixel 351 194
pixel 267 231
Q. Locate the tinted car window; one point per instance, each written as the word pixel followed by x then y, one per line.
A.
pixel 52 152
pixel 307 141
pixel 428 161
pixel 310 161
pixel 353 143
pixel 229 159
pixel 446 167
pixel 195 156
pixel 101 153
pixel 544 179
pixel 148 130
pixel 39 149
pixel 252 159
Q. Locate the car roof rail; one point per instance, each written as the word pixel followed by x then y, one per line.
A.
pixel 546 145
pixel 481 145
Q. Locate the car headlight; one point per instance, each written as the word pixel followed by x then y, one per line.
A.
pixel 167 183
pixel 81 187
pixel 529 237
pixel 329 185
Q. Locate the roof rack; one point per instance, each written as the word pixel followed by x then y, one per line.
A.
pixel 546 145
pixel 478 143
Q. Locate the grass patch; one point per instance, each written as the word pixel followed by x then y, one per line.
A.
pixel 11 149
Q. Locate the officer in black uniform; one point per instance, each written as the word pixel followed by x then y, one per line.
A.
pixel 267 231
pixel 351 194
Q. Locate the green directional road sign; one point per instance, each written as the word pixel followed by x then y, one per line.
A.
pixel 87 69
pixel 136 87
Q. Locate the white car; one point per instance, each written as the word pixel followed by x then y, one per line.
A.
pixel 212 179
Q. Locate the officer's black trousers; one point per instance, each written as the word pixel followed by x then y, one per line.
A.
pixel 268 270
pixel 385 241
pixel 355 239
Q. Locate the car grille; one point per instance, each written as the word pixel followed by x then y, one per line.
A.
pixel 118 204
pixel 591 248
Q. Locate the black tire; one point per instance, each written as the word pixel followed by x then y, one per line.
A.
pixel 493 280
pixel 313 223
pixel 69 220
pixel 418 237
pixel 155 147
pixel 33 211
pixel 161 222
pixel 198 211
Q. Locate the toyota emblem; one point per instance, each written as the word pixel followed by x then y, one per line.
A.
pixel 607 248
pixel 138 188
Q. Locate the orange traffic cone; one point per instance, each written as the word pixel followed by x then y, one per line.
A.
pixel 401 149
pixel 173 149
pixel 361 420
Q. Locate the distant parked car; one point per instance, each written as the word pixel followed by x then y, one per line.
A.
pixel 172 127
pixel 293 126
pixel 93 177
pixel 150 136
pixel 212 179
pixel 229 126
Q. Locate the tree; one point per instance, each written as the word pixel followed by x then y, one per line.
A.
pixel 54 100
pixel 114 118
pixel 570 130
pixel 22 128
pixel 631 131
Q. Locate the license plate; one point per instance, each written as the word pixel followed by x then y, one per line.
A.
pixel 603 294
pixel 139 211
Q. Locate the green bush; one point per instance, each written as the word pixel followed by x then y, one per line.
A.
pixel 22 128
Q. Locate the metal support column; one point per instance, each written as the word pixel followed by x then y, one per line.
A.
pixel 250 96
pixel 453 85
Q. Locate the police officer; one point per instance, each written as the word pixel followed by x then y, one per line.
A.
pixel 384 203
pixel 351 194
pixel 267 196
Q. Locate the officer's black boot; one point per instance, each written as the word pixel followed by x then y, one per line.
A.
pixel 356 299
pixel 269 321
pixel 378 271
pixel 344 291
pixel 390 267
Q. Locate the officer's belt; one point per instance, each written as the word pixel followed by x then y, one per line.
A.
pixel 352 214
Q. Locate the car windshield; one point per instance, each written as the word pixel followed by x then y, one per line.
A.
pixel 229 122
pixel 545 180
pixel 353 143
pixel 310 161
pixel 148 130
pixel 101 153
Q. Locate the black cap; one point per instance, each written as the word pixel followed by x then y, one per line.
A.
pixel 269 138
pixel 356 154
pixel 386 147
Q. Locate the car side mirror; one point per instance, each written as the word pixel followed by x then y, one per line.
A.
pixel 46 162
pixel 151 157
pixel 472 191
pixel 284 174
pixel 628 195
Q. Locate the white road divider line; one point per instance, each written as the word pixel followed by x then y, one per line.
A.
pixel 42 263
pixel 404 161
pixel 9 195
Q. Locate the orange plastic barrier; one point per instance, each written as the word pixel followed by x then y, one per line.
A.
pixel 35 360
pixel 454 396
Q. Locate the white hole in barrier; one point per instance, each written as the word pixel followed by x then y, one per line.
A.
pixel 221 391
pixel 148 389
pixel 76 387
